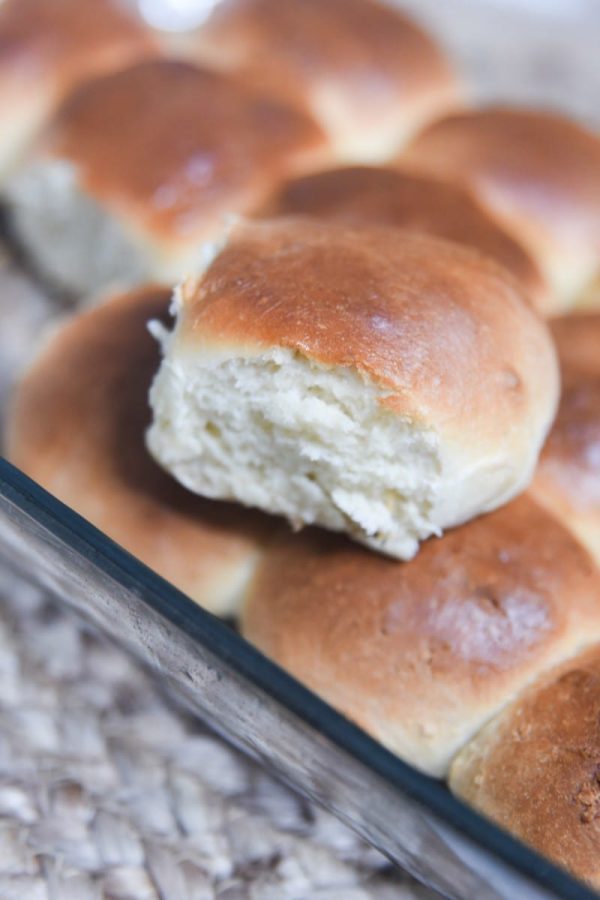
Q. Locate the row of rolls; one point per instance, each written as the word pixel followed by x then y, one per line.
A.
pixel 346 226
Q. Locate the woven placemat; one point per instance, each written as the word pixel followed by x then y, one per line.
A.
pixel 107 791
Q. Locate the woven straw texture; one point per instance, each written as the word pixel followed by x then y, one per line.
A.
pixel 107 791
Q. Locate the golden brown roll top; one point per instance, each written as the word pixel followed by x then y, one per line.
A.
pixel 367 73
pixel 396 307
pixel 176 146
pixel 538 171
pixel 362 195
pixel 590 299
pixel 536 768
pixel 371 380
pixel 48 46
pixel 422 654
pixel 77 427
pixel 145 165
pixel 65 39
pixel 567 479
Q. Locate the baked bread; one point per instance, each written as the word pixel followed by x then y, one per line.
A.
pixel 567 479
pixel 46 48
pixel 76 426
pixel 539 172
pixel 535 771
pixel 590 299
pixel 421 654
pixel 367 73
pixel 142 166
pixel 369 380
pixel 363 195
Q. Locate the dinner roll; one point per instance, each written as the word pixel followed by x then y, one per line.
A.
pixel 567 479
pixel 535 768
pixel 143 165
pixel 366 379
pixel 77 427
pixel 539 172
pixel 590 299
pixel 361 195
pixel 46 47
pixel 368 74
pixel 421 654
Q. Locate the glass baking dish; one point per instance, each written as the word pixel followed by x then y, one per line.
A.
pixel 542 51
pixel 253 703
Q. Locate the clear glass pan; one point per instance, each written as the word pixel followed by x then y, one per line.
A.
pixel 413 819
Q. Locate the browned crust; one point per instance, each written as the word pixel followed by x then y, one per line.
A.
pixel 537 770
pixel 63 41
pixel 177 146
pixel 568 475
pixel 539 169
pixel 443 330
pixel 577 339
pixel 432 646
pixel 361 195
pixel 77 426
pixel 366 57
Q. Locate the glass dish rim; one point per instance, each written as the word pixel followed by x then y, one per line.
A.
pixel 207 630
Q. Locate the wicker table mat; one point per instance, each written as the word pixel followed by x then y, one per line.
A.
pixel 106 791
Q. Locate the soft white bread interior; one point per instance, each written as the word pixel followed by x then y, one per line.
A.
pixel 367 73
pixel 76 425
pixel 373 381
pixel 46 48
pixel 141 167
pixel 80 244
pixel 421 654
pixel 567 479
pixel 539 172
pixel 374 195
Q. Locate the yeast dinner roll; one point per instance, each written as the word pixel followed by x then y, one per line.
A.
pixel 368 74
pixel 143 165
pixel 76 426
pixel 421 654
pixel 567 479
pixel 373 381
pixel 362 195
pixel 539 172
pixel 46 47
pixel 534 769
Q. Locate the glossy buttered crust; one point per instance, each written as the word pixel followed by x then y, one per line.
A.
pixel 356 62
pixel 536 770
pixel 363 195
pixel 507 152
pixel 176 147
pixel 62 41
pixel 540 171
pixel 445 332
pixel 568 475
pixel 422 653
pixel 77 426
